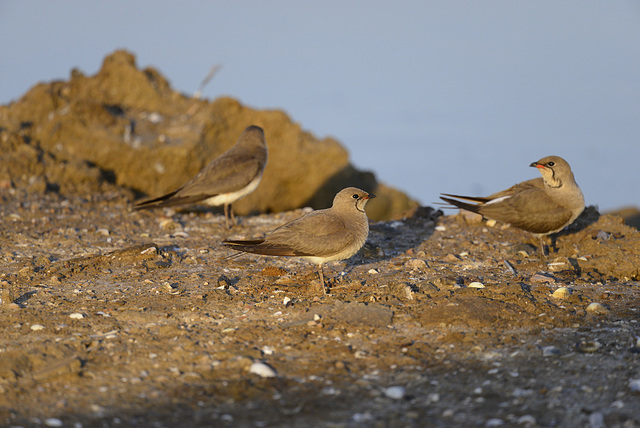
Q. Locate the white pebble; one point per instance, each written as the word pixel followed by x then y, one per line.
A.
pixel 53 422
pixel 550 351
pixel 262 370
pixel 103 232
pixel 362 417
pixel 372 271
pixel 634 385
pixel 395 392
pixel 286 300
pixel 37 327
pixel 596 308
pixel 76 316
pixel 267 350
pixel 476 284
pixel 491 222
pixel 433 397
pixel 526 420
pixel 440 228
pixel 495 422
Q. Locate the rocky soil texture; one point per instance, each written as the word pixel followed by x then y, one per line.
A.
pixel 119 318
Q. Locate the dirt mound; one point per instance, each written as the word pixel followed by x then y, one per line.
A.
pixel 126 126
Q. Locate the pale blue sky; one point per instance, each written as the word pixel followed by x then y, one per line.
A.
pixel 433 96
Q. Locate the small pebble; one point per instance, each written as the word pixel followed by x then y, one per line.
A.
pixel 53 422
pixel 262 370
pixel 372 271
pixel 495 422
pixel 561 293
pixel 476 284
pixel 541 278
pixel 634 385
pixel 550 351
pixel 415 264
pixel 36 327
pixel 596 308
pixel 395 392
pixel 527 420
pixel 440 228
pixel 362 417
pixel 76 316
pixel 589 346
pixel 286 301
pixel 103 232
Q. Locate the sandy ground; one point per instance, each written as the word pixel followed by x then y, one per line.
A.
pixel 119 318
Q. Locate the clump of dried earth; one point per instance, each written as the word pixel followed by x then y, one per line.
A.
pixel 112 317
pixel 127 126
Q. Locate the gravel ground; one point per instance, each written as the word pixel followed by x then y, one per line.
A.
pixel 119 318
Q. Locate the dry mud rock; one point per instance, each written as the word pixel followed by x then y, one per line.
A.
pixel 120 318
pixel 126 126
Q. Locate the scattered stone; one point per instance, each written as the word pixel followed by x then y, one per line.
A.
pixel 76 316
pixel 559 264
pixel 103 232
pixel 542 278
pixel 6 297
pixel 415 264
pixel 262 369
pixel 550 351
pixel 561 293
pixel 596 308
pixel 273 271
pixel 395 392
pixel 495 422
pixel 589 346
pixel 37 327
pixel 476 284
pixel 451 258
pixel 53 422
pixel 169 224
pixel 527 421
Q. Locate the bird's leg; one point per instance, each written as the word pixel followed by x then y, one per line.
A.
pixel 228 209
pixel 233 217
pixel 542 247
pixel 324 290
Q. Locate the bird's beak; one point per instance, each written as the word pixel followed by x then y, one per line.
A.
pixel 369 196
pixel 536 165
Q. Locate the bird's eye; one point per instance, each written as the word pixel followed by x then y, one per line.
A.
pixel 355 196
pixel 552 163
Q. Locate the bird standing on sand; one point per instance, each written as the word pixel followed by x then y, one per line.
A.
pixel 335 233
pixel 541 206
pixel 234 174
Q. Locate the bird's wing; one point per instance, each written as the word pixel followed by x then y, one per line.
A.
pixel 318 233
pixel 531 210
pixel 534 183
pixel 225 174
